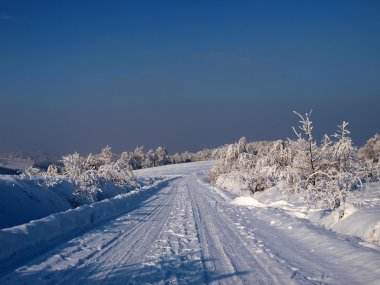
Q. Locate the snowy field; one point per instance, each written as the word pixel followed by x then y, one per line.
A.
pixel 183 231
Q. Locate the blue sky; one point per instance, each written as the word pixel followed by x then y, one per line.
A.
pixel 78 75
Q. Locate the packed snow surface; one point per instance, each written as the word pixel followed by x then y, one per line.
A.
pixel 182 231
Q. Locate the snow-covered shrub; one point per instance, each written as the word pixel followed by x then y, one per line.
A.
pixel 117 173
pixel 320 175
pixel 134 159
pixel 254 167
pixel 50 178
pixel 370 152
pixel 73 167
pixel 52 170
pixel 160 156
pixel 235 167
pixel 271 164
pixel 94 172
pixel 149 159
pixel 30 172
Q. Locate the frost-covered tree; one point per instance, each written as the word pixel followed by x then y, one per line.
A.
pixel 235 167
pixel 73 167
pixel 320 175
pixel 117 174
pixel 272 165
pixel 307 145
pixel 136 158
pixel 370 152
pixel 160 156
pixel 105 155
pixel 95 172
pixel 150 159
pixel 124 159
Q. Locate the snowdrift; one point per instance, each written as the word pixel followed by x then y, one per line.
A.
pixel 362 221
pixel 25 200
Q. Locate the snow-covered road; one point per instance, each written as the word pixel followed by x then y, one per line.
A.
pixel 190 233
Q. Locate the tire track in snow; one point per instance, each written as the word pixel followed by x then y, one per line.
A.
pixel 290 249
pixel 188 233
pixel 108 252
pixel 243 228
pixel 175 257
pixel 228 259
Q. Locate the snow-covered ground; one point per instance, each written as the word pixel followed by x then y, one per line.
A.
pixel 183 231
pixel 360 220
pixel 24 199
pixel 173 170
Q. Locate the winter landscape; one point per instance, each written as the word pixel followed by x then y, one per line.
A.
pixel 189 143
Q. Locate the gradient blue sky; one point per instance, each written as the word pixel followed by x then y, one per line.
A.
pixel 78 75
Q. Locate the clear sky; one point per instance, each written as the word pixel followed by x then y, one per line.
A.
pixel 78 75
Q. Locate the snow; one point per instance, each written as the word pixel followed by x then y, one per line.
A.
pixel 183 231
pixel 23 241
pixel 231 182
pixel 247 201
pixel 175 170
pixel 25 200
pixel 362 221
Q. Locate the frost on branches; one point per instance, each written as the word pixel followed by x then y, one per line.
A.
pixel 95 172
pixel 371 154
pixel 321 175
pixel 234 168
pixel 91 175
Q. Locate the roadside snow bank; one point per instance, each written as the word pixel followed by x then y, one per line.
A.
pixel 23 200
pixel 363 222
pixel 25 241
pixel 358 221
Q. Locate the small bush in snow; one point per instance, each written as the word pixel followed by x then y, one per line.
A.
pixel 90 174
pixel 96 171
pixel 322 175
pixel 371 154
